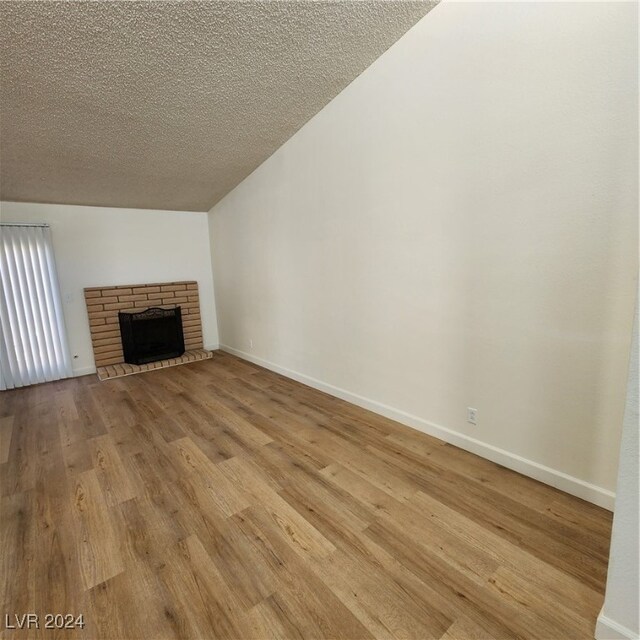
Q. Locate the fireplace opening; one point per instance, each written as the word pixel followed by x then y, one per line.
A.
pixel 152 334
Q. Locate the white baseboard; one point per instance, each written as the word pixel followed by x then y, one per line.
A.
pixel 558 479
pixel 607 629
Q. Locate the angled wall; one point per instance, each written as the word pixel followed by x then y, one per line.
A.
pixel 458 228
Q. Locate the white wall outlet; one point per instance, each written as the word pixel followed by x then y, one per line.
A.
pixel 472 415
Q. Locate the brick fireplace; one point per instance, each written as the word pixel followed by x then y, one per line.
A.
pixel 104 304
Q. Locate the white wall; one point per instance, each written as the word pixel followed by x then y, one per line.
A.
pixel 620 616
pixel 459 228
pixel 101 246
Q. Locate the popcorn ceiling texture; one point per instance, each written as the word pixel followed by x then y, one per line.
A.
pixel 169 105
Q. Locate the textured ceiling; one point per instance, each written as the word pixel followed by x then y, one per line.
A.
pixel 169 105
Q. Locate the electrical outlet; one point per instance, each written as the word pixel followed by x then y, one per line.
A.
pixel 472 415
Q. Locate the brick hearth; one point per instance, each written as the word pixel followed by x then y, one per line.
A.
pixel 126 369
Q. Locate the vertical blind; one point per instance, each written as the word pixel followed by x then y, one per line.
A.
pixel 33 342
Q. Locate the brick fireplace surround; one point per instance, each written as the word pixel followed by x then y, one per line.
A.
pixel 104 303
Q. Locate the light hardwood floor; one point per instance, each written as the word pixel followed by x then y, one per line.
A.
pixel 220 500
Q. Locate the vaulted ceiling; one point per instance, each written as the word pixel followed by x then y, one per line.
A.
pixel 169 105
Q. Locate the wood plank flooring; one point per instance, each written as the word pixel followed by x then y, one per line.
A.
pixel 220 500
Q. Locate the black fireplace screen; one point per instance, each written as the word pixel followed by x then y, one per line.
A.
pixel 153 334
